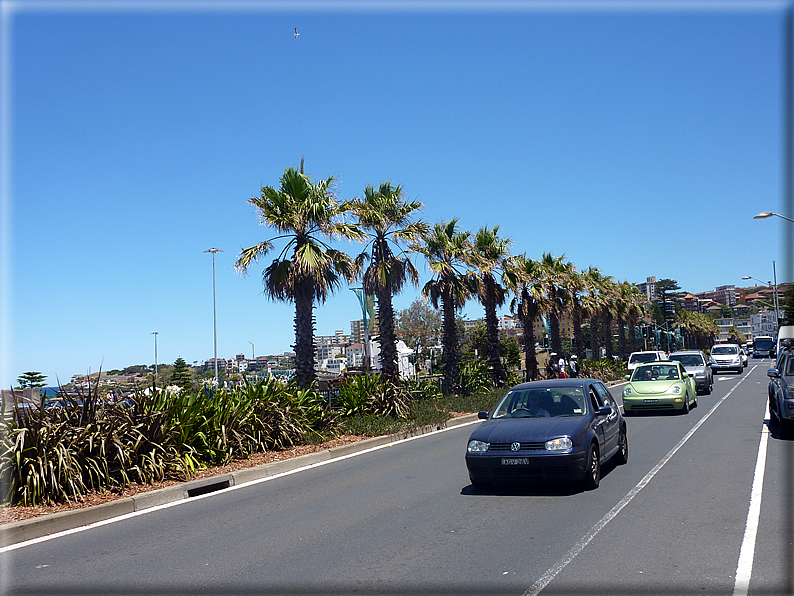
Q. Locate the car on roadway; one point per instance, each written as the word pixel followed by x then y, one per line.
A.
pixel 663 385
pixel 548 431
pixel 636 358
pixel 726 357
pixel 781 387
pixel 744 357
pixel 698 367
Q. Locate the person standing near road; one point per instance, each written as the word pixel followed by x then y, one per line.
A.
pixel 573 367
pixel 561 367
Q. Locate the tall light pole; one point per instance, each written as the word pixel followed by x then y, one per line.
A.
pixel 774 286
pixel 214 317
pixel 155 333
pixel 362 298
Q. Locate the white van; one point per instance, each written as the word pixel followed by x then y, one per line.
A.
pixel 785 332
pixel 636 358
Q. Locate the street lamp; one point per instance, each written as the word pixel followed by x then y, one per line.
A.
pixel 214 318
pixel 774 285
pixel 155 333
pixel 362 298
pixel 765 214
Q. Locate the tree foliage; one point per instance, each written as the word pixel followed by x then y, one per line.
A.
pixel 31 379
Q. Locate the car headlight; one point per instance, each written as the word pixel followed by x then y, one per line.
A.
pixel 627 391
pixel 700 374
pixel 561 444
pixel 477 446
pixel 677 389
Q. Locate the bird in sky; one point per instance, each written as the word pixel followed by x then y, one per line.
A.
pixel 296 33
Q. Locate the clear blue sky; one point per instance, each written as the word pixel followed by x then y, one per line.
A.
pixel 639 138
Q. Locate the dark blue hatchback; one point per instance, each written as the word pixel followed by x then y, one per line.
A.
pixel 556 430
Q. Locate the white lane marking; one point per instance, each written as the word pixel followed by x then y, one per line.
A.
pixel 105 522
pixel 744 569
pixel 555 569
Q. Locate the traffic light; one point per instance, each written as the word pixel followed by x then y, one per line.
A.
pixel 645 332
pixel 545 341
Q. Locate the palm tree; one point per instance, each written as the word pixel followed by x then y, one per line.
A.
pixel 634 312
pixel 595 303
pixel 526 284
pixel 609 292
pixel 387 220
pixel 489 256
pixel 578 307
pixel 556 275
pixel 306 269
pixel 446 249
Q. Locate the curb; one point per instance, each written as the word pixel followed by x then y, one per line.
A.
pixel 44 525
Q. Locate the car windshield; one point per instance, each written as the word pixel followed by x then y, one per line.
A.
pixel 649 357
pixel 542 402
pixel 689 359
pixel 656 372
pixel 722 350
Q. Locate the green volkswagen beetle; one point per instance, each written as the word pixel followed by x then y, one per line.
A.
pixel 661 385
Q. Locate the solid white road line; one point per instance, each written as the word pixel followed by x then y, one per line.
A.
pixel 745 567
pixel 148 510
pixel 553 571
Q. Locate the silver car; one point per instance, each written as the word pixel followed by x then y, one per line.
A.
pixel 697 367
pixel 726 357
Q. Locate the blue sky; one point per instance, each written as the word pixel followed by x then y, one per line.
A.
pixel 639 138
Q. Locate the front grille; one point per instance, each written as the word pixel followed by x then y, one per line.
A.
pixel 534 446
pixel 653 407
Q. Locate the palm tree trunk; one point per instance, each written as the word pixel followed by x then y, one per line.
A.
pixel 622 338
pixel 388 345
pixel 632 336
pixel 554 329
pixel 492 329
pixel 305 374
pixel 576 316
pixel 608 334
pixel 594 343
pixel 449 358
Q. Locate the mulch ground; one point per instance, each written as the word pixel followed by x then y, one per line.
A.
pixel 12 514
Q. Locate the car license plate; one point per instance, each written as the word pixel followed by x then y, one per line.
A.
pixel 651 401
pixel 515 461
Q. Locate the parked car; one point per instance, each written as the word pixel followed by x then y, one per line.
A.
pixel 781 387
pixel 726 357
pixel 663 385
pixel 555 430
pixel 636 358
pixel 698 367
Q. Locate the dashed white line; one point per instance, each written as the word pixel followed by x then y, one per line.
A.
pixel 554 570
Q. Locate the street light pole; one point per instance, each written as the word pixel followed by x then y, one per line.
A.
pixel 155 333
pixel 214 318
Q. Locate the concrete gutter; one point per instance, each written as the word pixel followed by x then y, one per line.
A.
pixel 44 525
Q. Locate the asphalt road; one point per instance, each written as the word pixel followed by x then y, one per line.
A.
pixel 403 519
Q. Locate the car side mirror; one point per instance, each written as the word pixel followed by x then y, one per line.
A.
pixel 773 373
pixel 604 411
pixel 627 377
pixel 482 415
